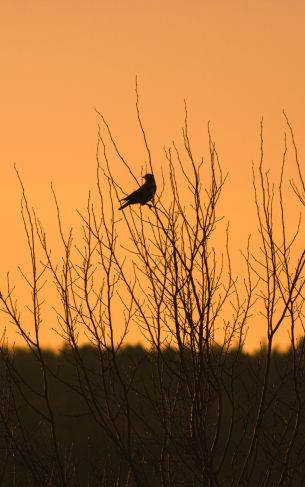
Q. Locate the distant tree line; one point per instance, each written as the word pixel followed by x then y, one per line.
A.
pixel 93 441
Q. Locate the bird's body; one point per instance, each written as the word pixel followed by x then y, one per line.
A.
pixel 143 194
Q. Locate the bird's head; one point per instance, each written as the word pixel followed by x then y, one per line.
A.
pixel 148 177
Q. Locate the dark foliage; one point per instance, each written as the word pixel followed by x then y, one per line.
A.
pixel 94 453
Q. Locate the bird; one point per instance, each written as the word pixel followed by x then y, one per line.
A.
pixel 143 194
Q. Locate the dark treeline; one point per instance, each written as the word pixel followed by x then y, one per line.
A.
pixel 125 444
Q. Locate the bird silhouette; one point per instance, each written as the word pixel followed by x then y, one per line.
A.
pixel 143 194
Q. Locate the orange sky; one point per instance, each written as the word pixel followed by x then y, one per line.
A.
pixel 233 61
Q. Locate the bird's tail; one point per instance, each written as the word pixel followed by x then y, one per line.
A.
pixel 127 203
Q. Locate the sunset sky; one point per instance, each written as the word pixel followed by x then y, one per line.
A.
pixel 233 62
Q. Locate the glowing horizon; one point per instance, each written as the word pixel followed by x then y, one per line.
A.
pixel 232 63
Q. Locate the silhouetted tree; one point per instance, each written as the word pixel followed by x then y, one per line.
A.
pixel 192 409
